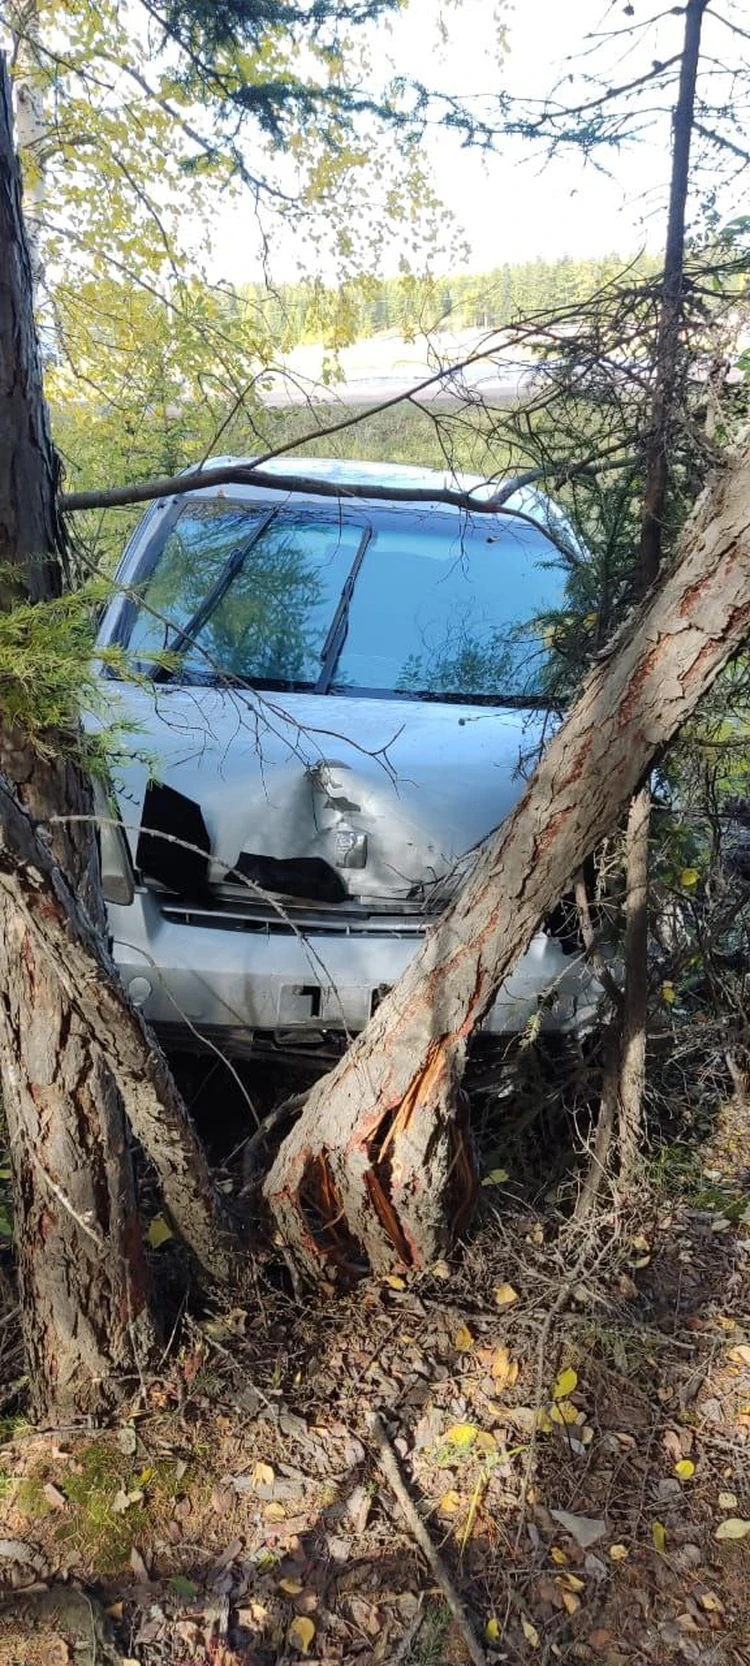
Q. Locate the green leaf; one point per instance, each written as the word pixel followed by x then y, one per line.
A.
pixel 183 1586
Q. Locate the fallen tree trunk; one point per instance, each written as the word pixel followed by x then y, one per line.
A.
pixel 378 1166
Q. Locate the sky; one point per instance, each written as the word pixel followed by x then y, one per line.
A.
pixel 515 206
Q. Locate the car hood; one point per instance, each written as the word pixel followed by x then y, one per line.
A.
pixel 378 801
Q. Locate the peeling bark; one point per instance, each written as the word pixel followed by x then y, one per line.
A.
pixel 385 1125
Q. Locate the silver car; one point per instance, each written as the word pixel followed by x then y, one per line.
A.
pixel 338 699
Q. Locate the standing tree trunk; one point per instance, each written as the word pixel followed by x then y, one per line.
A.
pixel 632 1076
pixel 378 1166
pixel 84 1291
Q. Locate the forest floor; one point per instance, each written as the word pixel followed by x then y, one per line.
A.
pixel 569 1412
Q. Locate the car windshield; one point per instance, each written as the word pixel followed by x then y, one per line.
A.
pixel 412 600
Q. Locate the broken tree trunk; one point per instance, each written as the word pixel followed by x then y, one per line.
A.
pixel 378 1165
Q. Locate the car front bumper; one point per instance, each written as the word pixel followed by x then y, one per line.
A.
pixel 236 979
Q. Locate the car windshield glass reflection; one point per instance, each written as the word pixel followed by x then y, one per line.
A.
pixel 270 621
pixel 449 606
pixel 405 601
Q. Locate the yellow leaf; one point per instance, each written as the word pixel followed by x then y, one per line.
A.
pixel 733 1528
pixel 571 1601
pixel 463 1339
pixel 263 1475
pixel 542 1421
pixel 496 1177
pixel 450 1503
pixel 566 1383
pixel 504 1369
pixel 395 1282
pixel 300 1634
pixel 159 1232
pixel 618 1553
pixel 274 1511
pixel 711 1603
pixel 492 1630
pixel 462 1435
pixel 728 1501
pixel 659 1532
pixel 558 1556
pixel 505 1295
pixel 486 1441
pixel 291 1587
pixel 688 878
pixel 530 1632
pixel 565 1412
pixel 668 993
pixel 740 1355
pixel 684 1469
pixel 640 1243
pixel 572 1581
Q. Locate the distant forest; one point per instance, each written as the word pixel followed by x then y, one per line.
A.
pixel 408 305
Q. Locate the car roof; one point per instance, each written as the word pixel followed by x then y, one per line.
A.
pixel 528 500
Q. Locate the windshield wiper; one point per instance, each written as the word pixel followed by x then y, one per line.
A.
pixel 186 636
pixel 339 626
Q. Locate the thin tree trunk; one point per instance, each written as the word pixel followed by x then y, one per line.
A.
pixel 632 1080
pixel 635 1004
pixel 378 1167
pixel 83 1284
pixel 671 308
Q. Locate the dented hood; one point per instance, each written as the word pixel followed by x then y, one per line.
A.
pixel 381 801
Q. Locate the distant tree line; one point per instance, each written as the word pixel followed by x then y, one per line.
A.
pixel 407 305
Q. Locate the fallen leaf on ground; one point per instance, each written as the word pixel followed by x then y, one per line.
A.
pixel 505 1295
pixel 263 1475
pixel 659 1535
pixel 492 1630
pixel 586 1530
pixel 496 1177
pixel 450 1502
pixel 740 1355
pixel 300 1634
pixel 463 1339
pixel 728 1500
pixel 618 1553
pixel 566 1384
pixel 394 1282
pixel 530 1632
pixel 733 1528
pixel 563 1411
pixel 684 1469
pixel 504 1369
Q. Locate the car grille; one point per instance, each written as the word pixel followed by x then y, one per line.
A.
pixel 293 921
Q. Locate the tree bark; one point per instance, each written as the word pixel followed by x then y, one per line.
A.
pixel 378 1167
pixel 51 937
pixel 83 1284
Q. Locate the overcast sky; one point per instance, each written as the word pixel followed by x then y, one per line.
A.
pixel 514 206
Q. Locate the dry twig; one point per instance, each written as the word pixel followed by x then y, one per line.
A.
pixel 389 1465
